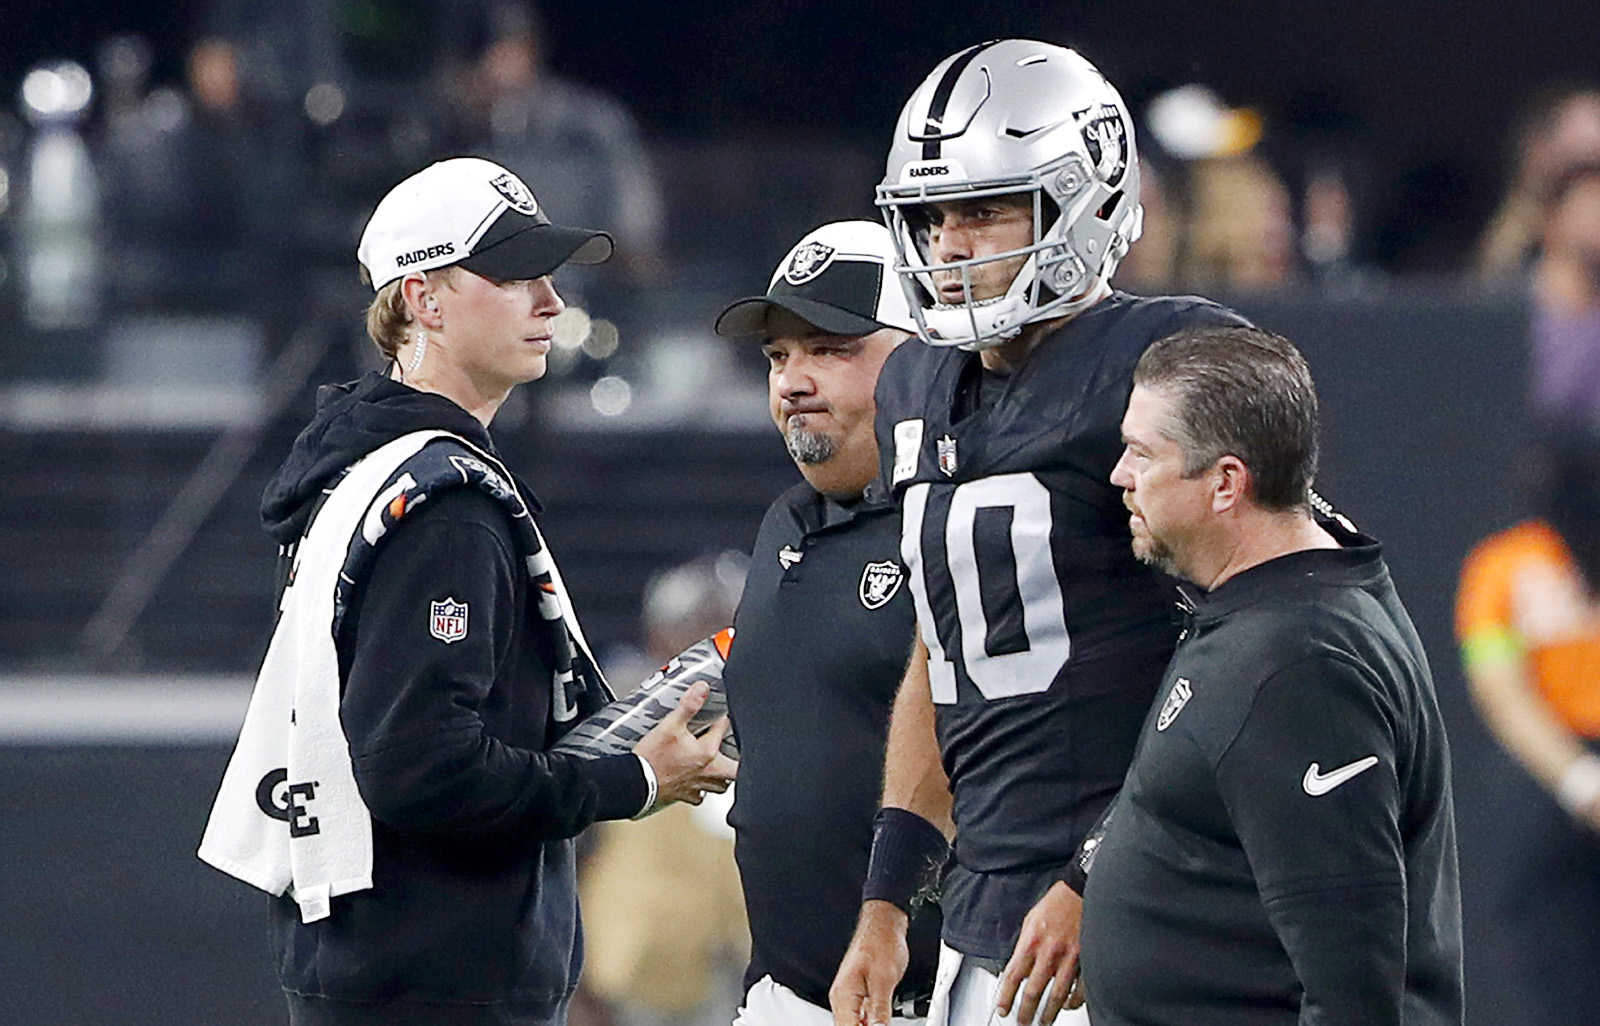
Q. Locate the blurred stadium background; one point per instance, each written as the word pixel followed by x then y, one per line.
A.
pixel 181 188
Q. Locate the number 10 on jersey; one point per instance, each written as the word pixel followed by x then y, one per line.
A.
pixel 985 585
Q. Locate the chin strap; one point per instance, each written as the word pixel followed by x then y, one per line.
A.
pixel 1100 290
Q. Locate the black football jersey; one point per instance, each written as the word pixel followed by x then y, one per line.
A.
pixel 1046 638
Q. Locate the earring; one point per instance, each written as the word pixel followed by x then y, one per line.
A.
pixel 416 354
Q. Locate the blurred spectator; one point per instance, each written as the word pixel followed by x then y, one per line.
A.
pixel 1151 263
pixel 60 216
pixel 1228 216
pixel 123 63
pixel 662 910
pixel 1321 144
pixel 1240 235
pixel 356 90
pixel 1327 234
pixel 1528 618
pixel 286 48
pixel 1566 296
pixel 1559 128
pixel 581 146
pixel 11 149
pixel 198 198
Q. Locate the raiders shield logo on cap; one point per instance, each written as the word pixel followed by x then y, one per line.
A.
pixel 879 583
pixel 516 194
pixel 447 620
pixel 807 262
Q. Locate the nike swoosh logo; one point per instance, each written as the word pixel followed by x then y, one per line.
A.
pixel 1319 783
pixel 1023 133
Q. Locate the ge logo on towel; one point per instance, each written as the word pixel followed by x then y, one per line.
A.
pixel 282 800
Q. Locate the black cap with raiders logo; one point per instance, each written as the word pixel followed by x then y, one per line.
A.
pixel 839 278
pixel 475 213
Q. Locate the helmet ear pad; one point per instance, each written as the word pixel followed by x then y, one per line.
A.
pixel 1060 269
pixel 1095 233
pixel 1065 276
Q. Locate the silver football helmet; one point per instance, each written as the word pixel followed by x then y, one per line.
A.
pixel 1014 116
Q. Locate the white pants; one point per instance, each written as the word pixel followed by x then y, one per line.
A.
pixel 770 1003
pixel 964 995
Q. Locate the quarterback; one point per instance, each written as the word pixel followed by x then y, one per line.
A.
pixel 1012 190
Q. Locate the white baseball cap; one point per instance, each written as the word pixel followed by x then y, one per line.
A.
pixel 475 213
pixel 839 278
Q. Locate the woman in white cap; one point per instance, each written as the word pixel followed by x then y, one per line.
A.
pixel 428 874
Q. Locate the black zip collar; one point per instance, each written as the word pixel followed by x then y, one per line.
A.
pixel 1357 562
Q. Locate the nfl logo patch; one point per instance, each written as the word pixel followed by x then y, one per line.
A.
pixel 879 582
pixel 947 455
pixel 447 620
pixel 1176 700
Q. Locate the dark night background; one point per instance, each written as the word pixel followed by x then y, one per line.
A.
pixel 1427 91
pixel 112 919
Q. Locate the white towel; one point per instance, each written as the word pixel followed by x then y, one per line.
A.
pixel 288 815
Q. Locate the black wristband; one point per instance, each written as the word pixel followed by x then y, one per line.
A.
pixel 908 857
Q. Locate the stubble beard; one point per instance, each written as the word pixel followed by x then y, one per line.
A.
pixel 1152 551
pixel 990 281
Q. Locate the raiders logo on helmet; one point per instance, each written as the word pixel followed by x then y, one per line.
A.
pixel 516 194
pixel 879 583
pixel 807 262
pixel 1105 136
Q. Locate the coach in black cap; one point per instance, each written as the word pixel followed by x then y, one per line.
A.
pixel 820 640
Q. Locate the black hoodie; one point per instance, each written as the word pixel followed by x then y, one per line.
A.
pixel 472 917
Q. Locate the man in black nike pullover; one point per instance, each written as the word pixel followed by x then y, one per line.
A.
pixel 1283 850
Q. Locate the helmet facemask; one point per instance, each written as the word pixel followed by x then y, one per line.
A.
pixel 1081 230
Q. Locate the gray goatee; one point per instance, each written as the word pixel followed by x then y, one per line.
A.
pixel 809 446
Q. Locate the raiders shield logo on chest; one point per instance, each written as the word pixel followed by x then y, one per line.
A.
pixel 879 582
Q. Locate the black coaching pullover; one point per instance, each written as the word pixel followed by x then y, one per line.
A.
pixel 1284 850
pixel 472 917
